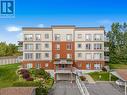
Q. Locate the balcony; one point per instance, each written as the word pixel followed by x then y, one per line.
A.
pixel 62 61
pixel 63 70
pixel 20 49
pixel 106 39
pixel 106 49
pixel 106 58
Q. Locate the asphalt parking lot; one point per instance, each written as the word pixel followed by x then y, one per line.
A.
pixel 64 88
pixel 104 89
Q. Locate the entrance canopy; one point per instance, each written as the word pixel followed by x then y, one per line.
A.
pixel 121 74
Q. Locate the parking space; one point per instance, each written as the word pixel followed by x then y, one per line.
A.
pixel 104 89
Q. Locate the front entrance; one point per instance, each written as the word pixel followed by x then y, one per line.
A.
pixel 66 77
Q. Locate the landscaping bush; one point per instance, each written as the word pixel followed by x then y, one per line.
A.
pixel 26 84
pixel 29 79
pixel 104 69
pixel 23 71
pixel 26 75
pixel 83 78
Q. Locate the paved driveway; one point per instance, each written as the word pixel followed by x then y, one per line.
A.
pixel 64 88
pixel 104 89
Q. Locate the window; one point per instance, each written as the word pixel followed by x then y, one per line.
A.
pixel 46 65
pixel 88 56
pixel 79 45
pixel 69 37
pixel 38 46
pixel 28 55
pixel 57 37
pixel 37 66
pixel 79 55
pixel 46 55
pixel 38 55
pixel 97 55
pixel 88 46
pixel 46 36
pixel 29 65
pixel 69 46
pixel 69 56
pixel 38 37
pixel 46 45
pixel 79 36
pixel 87 66
pixel 28 37
pixel 98 37
pixel 28 46
pixel 97 66
pixel 88 37
pixel 57 56
pixel 97 46
pixel 57 46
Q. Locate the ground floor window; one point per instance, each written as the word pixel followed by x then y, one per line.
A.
pixel 29 65
pixel 87 66
pixel 37 65
pixel 97 66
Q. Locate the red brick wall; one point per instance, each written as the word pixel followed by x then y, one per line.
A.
pixel 50 64
pixel 63 51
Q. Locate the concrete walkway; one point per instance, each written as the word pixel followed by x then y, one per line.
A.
pixel 89 79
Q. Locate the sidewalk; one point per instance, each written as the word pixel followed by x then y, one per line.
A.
pixel 90 79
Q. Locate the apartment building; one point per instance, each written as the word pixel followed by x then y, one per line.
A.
pixel 63 50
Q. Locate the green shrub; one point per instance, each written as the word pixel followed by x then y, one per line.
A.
pixel 26 84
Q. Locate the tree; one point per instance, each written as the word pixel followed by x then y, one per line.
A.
pixel 118 43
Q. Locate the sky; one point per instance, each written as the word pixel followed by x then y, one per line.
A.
pixel 44 13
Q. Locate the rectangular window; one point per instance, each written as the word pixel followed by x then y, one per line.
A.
pixel 79 36
pixel 37 66
pixel 79 45
pixel 88 46
pixel 57 56
pixel 29 65
pixel 38 55
pixel 57 37
pixel 97 46
pixel 97 55
pixel 87 66
pixel 79 55
pixel 88 56
pixel 46 45
pixel 98 37
pixel 46 36
pixel 28 46
pixel 69 37
pixel 57 46
pixel 28 55
pixel 38 47
pixel 46 55
pixel 28 37
pixel 69 56
pixel 97 66
pixel 88 37
pixel 37 37
pixel 69 46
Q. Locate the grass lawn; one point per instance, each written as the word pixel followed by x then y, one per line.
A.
pixel 104 76
pixel 118 66
pixel 8 74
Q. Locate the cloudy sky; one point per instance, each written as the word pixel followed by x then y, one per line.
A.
pixel 44 13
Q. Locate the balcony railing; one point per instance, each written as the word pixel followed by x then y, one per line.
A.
pixel 106 48
pixel 20 49
pixel 63 70
pixel 106 58
pixel 106 39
